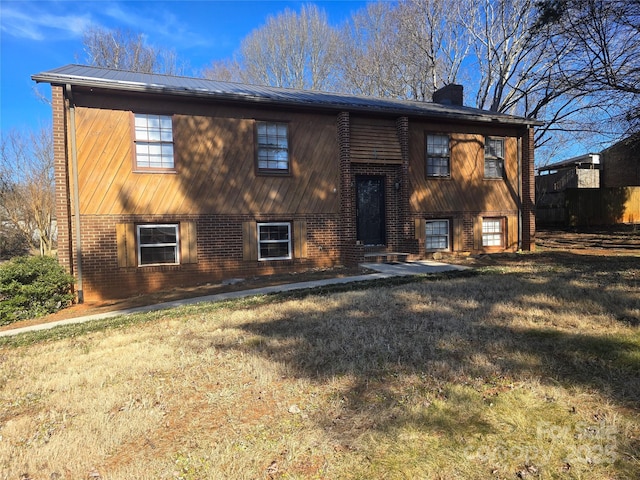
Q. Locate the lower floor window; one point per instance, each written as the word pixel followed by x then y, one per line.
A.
pixel 492 232
pixel 274 241
pixel 157 244
pixel 437 235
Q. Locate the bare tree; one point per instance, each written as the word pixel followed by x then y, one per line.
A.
pixel 125 50
pixel 27 185
pixel 604 61
pixel 431 32
pixel 368 55
pixel 291 50
pixel 226 70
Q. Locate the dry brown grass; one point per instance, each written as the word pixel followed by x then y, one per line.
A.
pixel 528 370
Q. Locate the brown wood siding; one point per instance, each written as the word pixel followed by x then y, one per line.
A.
pixel 467 190
pixel 215 164
pixel 375 141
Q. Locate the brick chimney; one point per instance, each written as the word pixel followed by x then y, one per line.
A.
pixel 449 95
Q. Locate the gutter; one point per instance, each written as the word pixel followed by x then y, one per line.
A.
pixel 76 192
pixel 519 155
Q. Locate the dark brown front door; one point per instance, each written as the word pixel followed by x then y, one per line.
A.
pixel 370 210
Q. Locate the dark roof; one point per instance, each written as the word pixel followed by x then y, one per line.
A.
pixel 592 159
pixel 97 77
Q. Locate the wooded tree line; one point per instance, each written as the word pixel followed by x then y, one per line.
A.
pixel 571 63
pixel 574 64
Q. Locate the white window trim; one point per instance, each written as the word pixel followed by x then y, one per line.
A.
pixel 493 234
pixel 448 236
pixel 158 225
pixel 288 241
pixel 161 143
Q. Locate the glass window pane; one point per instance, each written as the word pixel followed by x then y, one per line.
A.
pixel 438 155
pixel 158 244
pixel 154 137
pixel 492 232
pixel 274 241
pixel 437 235
pixel 153 122
pixel 153 255
pixel 272 146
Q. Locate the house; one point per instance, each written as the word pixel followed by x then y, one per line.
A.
pixel 594 189
pixel 621 163
pixel 553 181
pixel 165 181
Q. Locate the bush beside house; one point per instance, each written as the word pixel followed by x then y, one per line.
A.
pixel 31 287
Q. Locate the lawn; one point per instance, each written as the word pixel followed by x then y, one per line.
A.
pixel 529 368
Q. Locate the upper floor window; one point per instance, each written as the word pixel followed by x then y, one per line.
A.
pixel 438 163
pixel 493 157
pixel 273 147
pixel 157 244
pixel 153 142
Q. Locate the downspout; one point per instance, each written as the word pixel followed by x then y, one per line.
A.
pixel 519 193
pixel 76 192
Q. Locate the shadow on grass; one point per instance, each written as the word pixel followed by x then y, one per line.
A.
pixel 544 324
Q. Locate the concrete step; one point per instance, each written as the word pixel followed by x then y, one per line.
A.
pixel 385 257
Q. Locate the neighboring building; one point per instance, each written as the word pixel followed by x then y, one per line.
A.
pixel 166 181
pixel 554 180
pixel 621 163
pixel 593 189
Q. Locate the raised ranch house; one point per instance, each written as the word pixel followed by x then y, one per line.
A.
pixel 166 181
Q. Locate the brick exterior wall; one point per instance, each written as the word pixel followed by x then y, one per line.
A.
pixel 467 233
pixel 61 177
pixel 621 164
pixel 406 242
pixel 219 249
pixel 528 192
pixel 351 253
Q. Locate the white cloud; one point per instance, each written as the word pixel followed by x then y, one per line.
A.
pixel 35 21
pixel 158 25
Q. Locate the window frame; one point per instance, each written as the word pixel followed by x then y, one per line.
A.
pixel 161 143
pixel 500 233
pixel 434 156
pixel 288 241
pixel 175 244
pixel 493 159
pixel 268 148
pixel 447 237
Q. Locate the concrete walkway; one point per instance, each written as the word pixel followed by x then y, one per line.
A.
pixel 383 270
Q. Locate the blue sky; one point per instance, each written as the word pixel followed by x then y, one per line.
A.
pixel 40 35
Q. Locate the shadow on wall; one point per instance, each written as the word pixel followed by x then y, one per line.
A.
pixel 603 206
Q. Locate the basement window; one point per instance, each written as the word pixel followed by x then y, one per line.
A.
pixel 437 235
pixel 158 244
pixel 492 232
pixel 274 241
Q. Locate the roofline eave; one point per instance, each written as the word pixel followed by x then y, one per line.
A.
pixel 136 87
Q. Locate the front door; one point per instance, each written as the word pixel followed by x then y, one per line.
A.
pixel 370 210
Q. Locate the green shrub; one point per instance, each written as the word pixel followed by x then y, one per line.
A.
pixel 31 287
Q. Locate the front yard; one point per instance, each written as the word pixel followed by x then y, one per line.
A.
pixel 528 368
